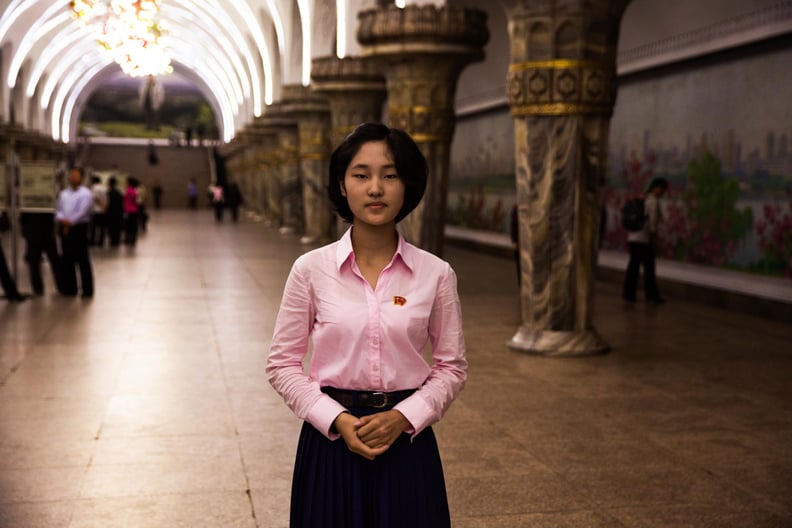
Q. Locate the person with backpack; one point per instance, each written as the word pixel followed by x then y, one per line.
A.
pixel 641 218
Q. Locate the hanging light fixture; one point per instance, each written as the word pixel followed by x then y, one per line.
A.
pixel 130 30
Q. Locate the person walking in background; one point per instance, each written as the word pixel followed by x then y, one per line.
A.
pixel 156 193
pixel 218 201
pixel 73 214
pixel 642 244
pixel 115 212
pixel 233 199
pixel 192 194
pixel 131 208
pixel 370 303
pixel 98 218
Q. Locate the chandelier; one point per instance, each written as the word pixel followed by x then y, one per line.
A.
pixel 130 30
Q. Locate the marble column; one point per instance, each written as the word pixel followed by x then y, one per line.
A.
pixel 561 87
pixel 268 182
pixel 355 91
pixel 312 114
pixel 421 50
pixel 285 191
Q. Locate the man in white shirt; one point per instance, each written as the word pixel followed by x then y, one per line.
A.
pixel 73 214
pixel 98 218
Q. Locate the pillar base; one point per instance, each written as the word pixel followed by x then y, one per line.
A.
pixel 558 344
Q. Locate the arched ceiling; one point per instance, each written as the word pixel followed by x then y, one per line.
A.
pixel 238 52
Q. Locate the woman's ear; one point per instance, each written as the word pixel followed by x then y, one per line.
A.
pixel 342 187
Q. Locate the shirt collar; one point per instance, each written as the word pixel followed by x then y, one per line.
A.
pixel 344 251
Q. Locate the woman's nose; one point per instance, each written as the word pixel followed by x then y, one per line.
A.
pixel 375 187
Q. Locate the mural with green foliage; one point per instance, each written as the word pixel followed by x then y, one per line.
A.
pixel 705 225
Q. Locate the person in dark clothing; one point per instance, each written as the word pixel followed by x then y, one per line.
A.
pixel 233 199
pixel 115 212
pixel 38 229
pixel 642 244
pixel 192 194
pixel 217 193
pixel 156 191
pixel 6 280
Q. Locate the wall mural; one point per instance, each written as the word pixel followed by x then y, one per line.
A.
pixel 724 208
pixel 155 107
pixel 719 129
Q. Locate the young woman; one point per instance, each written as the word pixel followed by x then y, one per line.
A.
pixel 369 303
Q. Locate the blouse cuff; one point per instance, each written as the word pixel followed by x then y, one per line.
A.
pixel 323 414
pixel 417 412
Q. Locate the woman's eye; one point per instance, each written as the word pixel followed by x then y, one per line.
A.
pixel 391 176
pixel 361 176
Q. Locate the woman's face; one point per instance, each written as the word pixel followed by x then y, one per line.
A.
pixel 372 187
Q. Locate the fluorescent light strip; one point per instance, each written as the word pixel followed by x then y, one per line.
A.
pixel 193 48
pixel 251 20
pixel 63 39
pixel 305 24
pixel 184 24
pixel 74 94
pixel 27 42
pixel 11 13
pixel 78 72
pixel 215 11
pixel 86 50
pixel 341 28
pixel 278 22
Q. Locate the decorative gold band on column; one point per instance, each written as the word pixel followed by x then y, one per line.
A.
pixel 558 64
pixel 424 123
pixel 555 109
pixel 427 138
pixel 561 87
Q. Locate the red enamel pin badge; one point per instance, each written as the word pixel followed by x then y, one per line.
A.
pixel 399 300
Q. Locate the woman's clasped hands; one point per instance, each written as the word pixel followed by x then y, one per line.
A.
pixel 370 436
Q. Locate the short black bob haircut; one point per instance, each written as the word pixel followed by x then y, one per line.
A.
pixel 408 158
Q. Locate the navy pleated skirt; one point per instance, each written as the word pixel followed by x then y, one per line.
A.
pixel 335 488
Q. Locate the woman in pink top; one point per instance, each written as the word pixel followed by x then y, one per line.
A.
pixel 369 303
pixel 131 208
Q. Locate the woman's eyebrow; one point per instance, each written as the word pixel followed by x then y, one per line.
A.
pixel 364 166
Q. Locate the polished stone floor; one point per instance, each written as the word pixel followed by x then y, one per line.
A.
pixel 148 406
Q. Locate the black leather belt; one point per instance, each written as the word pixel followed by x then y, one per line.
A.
pixel 373 399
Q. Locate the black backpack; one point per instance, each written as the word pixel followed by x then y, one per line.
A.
pixel 633 215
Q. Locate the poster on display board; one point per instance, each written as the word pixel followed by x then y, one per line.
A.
pixel 38 189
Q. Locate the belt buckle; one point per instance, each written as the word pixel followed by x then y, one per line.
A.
pixel 378 399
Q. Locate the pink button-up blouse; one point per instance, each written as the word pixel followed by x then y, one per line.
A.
pixel 368 339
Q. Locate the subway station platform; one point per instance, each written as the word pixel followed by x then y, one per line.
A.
pixel 148 406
